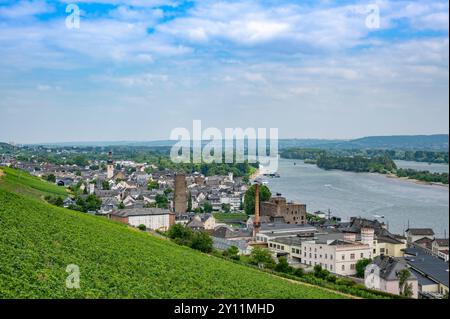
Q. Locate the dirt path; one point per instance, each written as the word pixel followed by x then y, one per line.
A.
pixel 1 173
pixel 317 287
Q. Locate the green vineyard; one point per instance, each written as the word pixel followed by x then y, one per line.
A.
pixel 38 241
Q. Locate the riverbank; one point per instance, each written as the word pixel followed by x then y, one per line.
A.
pixel 255 174
pixel 416 181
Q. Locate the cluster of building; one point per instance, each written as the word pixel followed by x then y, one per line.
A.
pixel 279 225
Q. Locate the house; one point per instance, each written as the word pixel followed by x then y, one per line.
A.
pixel 439 245
pixel 68 201
pixel 225 237
pixel 431 271
pixel 384 274
pixel 152 218
pixel 389 245
pixel 414 234
pixel 202 222
pixel 109 204
pixel 424 243
pixel 337 254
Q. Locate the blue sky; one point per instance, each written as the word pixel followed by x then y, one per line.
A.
pixel 137 69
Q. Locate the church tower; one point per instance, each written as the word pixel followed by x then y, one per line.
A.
pixel 110 166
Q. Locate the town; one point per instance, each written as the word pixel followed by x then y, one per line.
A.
pixel 239 216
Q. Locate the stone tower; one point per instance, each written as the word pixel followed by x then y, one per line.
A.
pixel 180 195
pixel 110 166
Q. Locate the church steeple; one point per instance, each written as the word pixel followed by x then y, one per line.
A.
pixel 110 166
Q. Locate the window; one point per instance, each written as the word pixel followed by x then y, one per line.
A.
pixel 343 257
pixel 343 267
pixel 352 256
pixel 293 250
pixel 326 256
pixel 352 266
pixel 331 267
pixel 362 255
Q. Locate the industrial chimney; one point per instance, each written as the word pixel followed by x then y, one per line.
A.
pixel 256 223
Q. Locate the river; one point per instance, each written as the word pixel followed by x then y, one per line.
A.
pixel 349 194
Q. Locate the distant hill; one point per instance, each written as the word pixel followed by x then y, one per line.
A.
pixel 38 241
pixel 406 142
pixel 438 142
pixel 5 147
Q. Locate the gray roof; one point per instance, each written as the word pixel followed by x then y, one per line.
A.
pixel 389 267
pixel 139 212
pixel 420 231
pixel 441 242
pixel 422 280
pixel 274 227
pixel 291 241
pixel 430 266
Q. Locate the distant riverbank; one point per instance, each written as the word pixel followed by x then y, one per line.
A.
pixel 416 181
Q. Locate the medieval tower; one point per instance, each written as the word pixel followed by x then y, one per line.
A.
pixel 180 195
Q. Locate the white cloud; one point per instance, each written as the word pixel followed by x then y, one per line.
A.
pixel 23 9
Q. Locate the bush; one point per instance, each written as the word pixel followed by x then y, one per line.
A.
pixel 202 241
pixel 142 227
pixel 299 272
pixel 261 256
pixel 283 266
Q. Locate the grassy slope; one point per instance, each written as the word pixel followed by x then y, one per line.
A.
pixel 21 182
pixel 38 241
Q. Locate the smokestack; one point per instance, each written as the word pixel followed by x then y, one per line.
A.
pixel 257 223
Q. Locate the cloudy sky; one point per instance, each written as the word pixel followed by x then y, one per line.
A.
pixel 135 70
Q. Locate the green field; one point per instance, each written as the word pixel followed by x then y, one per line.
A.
pixel 38 241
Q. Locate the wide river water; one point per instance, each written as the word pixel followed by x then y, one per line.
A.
pixel 349 194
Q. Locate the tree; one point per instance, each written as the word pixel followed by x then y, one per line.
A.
pixel 152 185
pixel 59 201
pixel 93 203
pixel 189 204
pixel 162 201
pixel 283 265
pixel 105 185
pixel 232 252
pixel 319 272
pixel 404 288
pixel 51 178
pixel 202 241
pixel 249 199
pixel 142 227
pixel 167 191
pixel 262 257
pixel 226 208
pixel 180 234
pixel 207 207
pixel 361 266
pixel 121 205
